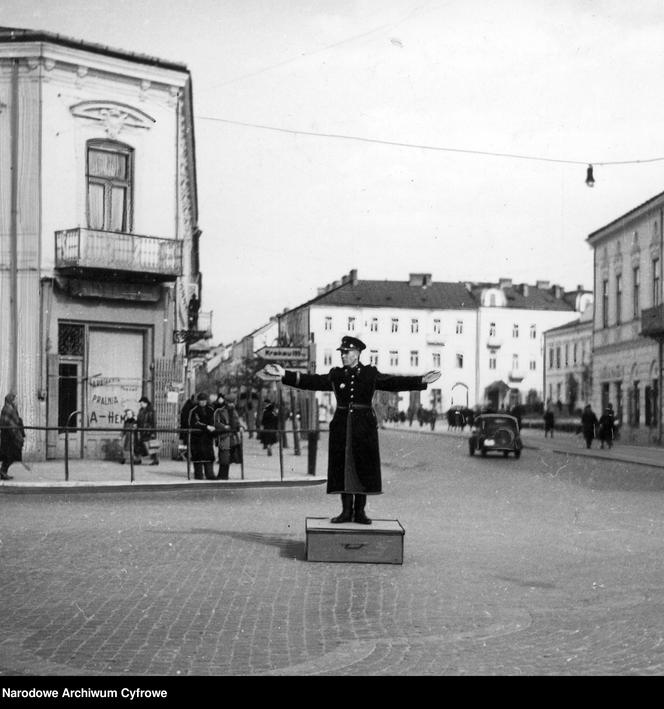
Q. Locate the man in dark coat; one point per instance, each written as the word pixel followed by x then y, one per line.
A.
pixel 201 420
pixel 354 458
pixel 588 424
pixel 227 424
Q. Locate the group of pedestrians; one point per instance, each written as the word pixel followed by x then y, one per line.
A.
pixel 602 428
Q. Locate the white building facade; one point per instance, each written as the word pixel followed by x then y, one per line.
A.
pixel 100 235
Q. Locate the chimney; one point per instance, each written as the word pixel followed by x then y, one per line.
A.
pixel 543 285
pixel 505 283
pixel 353 276
pixel 344 279
pixel 579 289
pixel 524 290
pixel 557 291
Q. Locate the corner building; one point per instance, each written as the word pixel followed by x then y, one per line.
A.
pixel 99 235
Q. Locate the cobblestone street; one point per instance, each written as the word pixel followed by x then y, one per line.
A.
pixel 547 565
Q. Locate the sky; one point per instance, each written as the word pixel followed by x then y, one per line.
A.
pixel 497 109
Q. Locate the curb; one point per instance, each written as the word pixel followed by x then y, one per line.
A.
pixel 188 486
pixel 613 459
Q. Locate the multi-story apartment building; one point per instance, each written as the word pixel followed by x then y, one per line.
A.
pixel 511 320
pixel 628 319
pixel 408 326
pixel 99 269
pixel 485 338
pixel 567 363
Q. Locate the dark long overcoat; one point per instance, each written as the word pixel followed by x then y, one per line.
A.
pixel 354 457
pixel 12 434
pixel 202 440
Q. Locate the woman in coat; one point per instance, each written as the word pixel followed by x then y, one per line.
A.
pixel 145 422
pixel 588 424
pixel 12 436
pixel 354 458
pixel 269 426
pixel 201 452
pixel 227 424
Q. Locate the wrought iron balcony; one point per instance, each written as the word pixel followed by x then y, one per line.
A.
pixel 652 321
pixel 493 343
pixel 117 252
pixel 516 375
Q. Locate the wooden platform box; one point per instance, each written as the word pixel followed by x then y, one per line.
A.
pixel 378 543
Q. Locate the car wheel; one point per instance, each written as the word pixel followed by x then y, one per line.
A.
pixel 483 452
pixel 505 454
pixel 471 448
pixel 517 454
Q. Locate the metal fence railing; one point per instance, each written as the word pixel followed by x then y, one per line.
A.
pixel 184 449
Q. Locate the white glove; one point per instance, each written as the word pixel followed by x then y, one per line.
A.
pixel 273 370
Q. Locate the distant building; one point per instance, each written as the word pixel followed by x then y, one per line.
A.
pixel 485 338
pixel 511 321
pixel 628 319
pixel 99 235
pixel 567 363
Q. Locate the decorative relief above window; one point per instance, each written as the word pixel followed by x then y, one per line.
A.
pixel 114 116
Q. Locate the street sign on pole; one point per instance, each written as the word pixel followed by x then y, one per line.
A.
pixel 290 354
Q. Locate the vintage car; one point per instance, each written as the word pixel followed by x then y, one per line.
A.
pixel 495 432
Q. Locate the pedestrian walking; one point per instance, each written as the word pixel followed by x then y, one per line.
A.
pixel 201 453
pixel 606 428
pixel 353 457
pixel 269 426
pixel 549 420
pixel 146 435
pixel 227 425
pixel 12 436
pixel 433 415
pixel 588 425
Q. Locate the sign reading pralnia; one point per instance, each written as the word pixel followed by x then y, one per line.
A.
pixel 84 693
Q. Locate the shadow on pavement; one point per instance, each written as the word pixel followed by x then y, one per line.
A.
pixel 288 548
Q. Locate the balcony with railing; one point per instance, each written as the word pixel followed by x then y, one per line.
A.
pixel 493 343
pixel 516 375
pixel 652 322
pixel 114 252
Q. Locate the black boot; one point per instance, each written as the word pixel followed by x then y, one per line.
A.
pixel 359 516
pixel 347 509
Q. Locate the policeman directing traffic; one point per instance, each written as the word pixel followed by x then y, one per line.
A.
pixel 354 458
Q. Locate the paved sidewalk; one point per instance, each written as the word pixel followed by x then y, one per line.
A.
pixel 259 470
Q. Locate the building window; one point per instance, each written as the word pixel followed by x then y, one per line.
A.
pixel 327 357
pixel 109 178
pixel 655 282
pixel 373 357
pixel 557 357
pixel 605 303
pixel 394 358
pixel 533 332
pixel 533 365
pixel 351 324
pixel 459 361
pixel 374 325
pixel 550 357
pixel 414 326
pixel 71 340
pixel 636 285
pixel 436 326
pixel 459 327
pixel 566 356
pixel 618 299
pixel 414 358
pixel 515 361
pixel 436 360
pixel 492 362
pixel 328 322
pixel 515 330
pixel 395 324
pixel 574 352
pixel 492 329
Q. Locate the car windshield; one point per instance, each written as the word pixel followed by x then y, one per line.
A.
pixel 493 424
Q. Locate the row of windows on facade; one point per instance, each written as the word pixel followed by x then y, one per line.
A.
pixel 636 293
pixel 415 326
pixel 557 359
pixel 435 360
